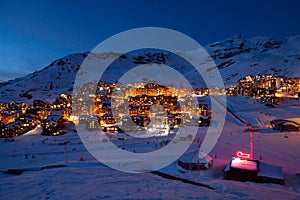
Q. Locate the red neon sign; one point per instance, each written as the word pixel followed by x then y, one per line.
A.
pixel 243 155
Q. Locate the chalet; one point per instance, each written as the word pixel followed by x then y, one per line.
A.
pixel 175 120
pixel 10 130
pixel 203 109
pixel 10 115
pixel 4 130
pixel 217 91
pixel 83 118
pixel 64 101
pixel 204 121
pixel 19 126
pixel 127 122
pixel 92 123
pixel 191 161
pixel 144 110
pixel 151 89
pixel 30 120
pixel 241 170
pixel 253 170
pixel 112 129
pixel 133 110
pixel 140 100
pixel 107 119
pixel 285 124
pixel 53 125
pixel 104 107
pixel 185 118
pixel 141 120
pixel 201 91
pixel 161 120
pixel 267 85
pixel 269 100
pixel 23 126
pixel 14 128
pixel 231 91
pixel 189 105
pixel 200 121
pixel 125 119
pixel 41 113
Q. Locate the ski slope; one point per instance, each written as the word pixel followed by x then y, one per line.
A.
pixel 90 179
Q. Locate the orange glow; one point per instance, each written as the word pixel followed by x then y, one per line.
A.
pixel 279 94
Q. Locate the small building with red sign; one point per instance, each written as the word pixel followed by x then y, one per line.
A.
pixel 240 169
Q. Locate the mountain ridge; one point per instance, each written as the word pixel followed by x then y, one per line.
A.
pixel 235 58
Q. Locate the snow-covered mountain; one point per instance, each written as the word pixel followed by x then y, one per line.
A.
pixel 235 58
pixel 48 83
pixel 241 56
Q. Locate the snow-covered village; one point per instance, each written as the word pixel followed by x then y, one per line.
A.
pixel 219 121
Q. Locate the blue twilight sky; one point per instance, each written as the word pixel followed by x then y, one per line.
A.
pixel 34 33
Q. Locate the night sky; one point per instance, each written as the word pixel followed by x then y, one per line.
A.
pixel 34 33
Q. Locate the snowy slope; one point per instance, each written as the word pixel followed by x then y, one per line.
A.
pixel 48 83
pixel 241 56
pixel 90 179
pixel 236 58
